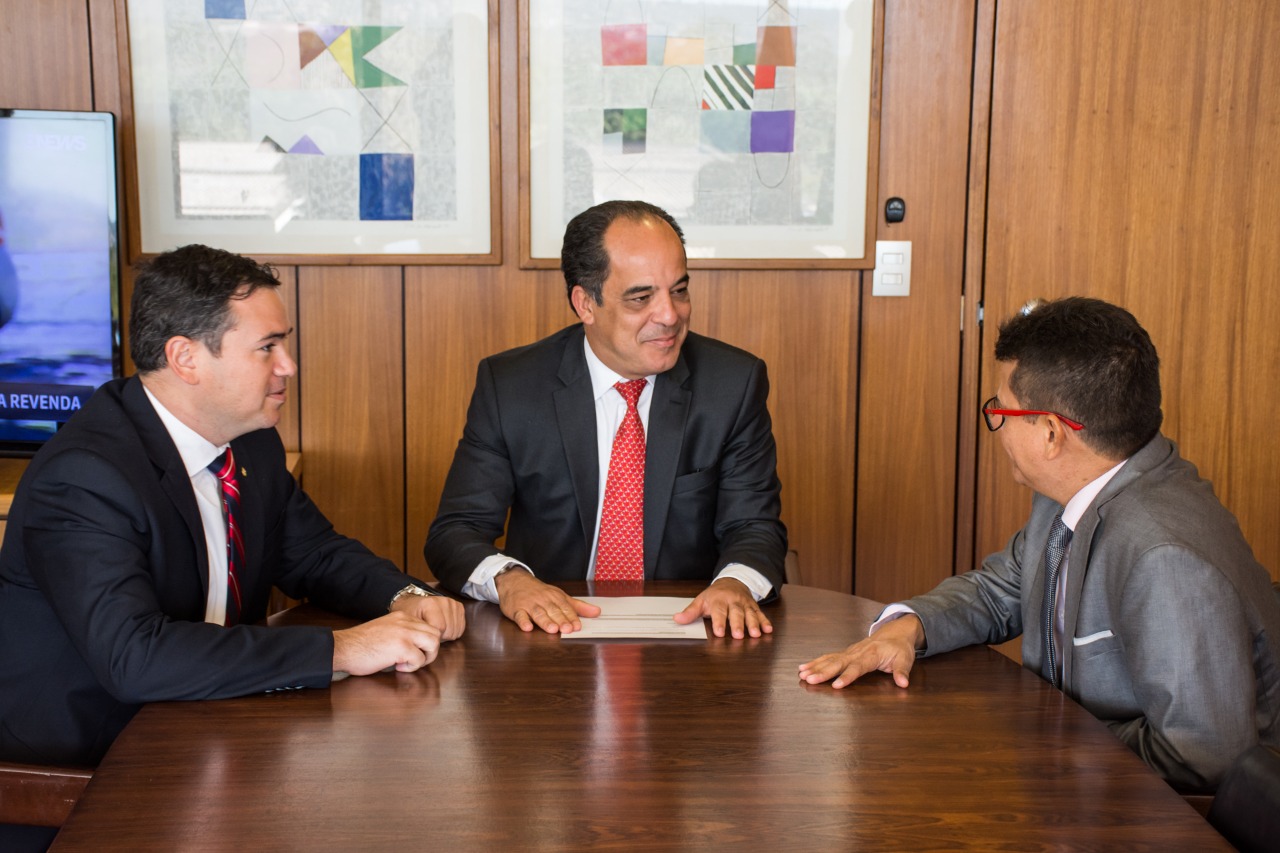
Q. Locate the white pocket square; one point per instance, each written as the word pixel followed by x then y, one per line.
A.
pixel 1092 638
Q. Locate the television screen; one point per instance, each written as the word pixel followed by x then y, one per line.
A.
pixel 59 269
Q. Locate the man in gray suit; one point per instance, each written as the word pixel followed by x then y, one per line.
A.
pixel 1163 625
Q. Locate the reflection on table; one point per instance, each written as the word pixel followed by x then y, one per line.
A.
pixel 522 741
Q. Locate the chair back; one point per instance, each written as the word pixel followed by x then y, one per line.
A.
pixel 1246 809
pixel 791 569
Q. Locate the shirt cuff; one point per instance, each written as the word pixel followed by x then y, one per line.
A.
pixel 749 577
pixel 893 611
pixel 480 585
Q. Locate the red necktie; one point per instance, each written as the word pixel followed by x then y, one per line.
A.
pixel 620 553
pixel 224 468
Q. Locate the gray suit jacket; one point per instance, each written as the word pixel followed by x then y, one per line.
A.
pixel 1175 629
pixel 711 491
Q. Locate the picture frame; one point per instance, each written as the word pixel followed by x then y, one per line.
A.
pixel 314 132
pixel 755 124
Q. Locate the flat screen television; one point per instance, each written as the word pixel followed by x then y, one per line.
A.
pixel 59 269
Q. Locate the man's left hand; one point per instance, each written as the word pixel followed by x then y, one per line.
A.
pixel 439 611
pixel 727 601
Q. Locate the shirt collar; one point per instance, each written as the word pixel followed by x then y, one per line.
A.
pixel 1075 507
pixel 602 378
pixel 196 451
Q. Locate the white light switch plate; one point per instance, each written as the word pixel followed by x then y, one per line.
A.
pixel 893 268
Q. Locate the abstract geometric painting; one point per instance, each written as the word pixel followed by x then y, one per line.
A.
pixel 313 126
pixel 746 119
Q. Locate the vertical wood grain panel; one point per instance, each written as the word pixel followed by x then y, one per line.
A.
pixel 910 346
pixel 44 55
pixel 453 319
pixel 804 326
pixel 352 401
pixel 105 63
pixel 290 419
pixel 1134 158
pixel 105 59
pixel 968 424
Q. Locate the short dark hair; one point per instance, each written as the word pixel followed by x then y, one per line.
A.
pixel 188 292
pixel 583 258
pixel 1091 361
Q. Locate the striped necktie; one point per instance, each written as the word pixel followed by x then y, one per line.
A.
pixel 224 468
pixel 1059 538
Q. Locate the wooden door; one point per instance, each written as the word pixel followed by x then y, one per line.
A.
pixel 1134 155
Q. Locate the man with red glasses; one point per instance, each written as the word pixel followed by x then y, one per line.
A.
pixel 1131 585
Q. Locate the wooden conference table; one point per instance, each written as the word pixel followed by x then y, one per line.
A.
pixel 527 742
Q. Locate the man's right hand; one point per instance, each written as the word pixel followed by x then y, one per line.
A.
pixel 527 601
pixel 395 640
pixel 891 649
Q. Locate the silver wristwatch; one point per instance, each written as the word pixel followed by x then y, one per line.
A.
pixel 509 567
pixel 411 589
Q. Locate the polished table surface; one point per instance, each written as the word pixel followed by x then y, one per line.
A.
pixel 526 742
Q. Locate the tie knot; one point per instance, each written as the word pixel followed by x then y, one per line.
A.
pixel 630 391
pixel 1059 533
pixel 224 466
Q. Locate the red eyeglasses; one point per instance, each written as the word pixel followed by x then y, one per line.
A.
pixel 995 417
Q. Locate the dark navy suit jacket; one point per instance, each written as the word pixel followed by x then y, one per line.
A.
pixel 711 490
pixel 104 576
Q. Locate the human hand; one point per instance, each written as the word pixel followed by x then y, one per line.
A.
pixel 727 602
pixel 526 601
pixel 439 611
pixel 396 640
pixel 890 649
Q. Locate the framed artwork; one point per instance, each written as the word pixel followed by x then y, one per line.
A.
pixel 754 123
pixel 315 131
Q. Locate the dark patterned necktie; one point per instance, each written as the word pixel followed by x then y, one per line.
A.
pixel 1059 538
pixel 224 468
pixel 620 552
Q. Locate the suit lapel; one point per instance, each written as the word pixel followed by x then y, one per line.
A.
pixel 1154 453
pixel 668 414
pixel 576 418
pixel 167 462
pixel 1033 589
pixel 1077 567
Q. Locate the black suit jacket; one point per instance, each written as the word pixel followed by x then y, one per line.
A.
pixel 104 576
pixel 711 491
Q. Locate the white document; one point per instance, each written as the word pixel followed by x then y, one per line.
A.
pixel 644 617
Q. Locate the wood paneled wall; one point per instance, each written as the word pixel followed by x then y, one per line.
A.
pixel 45 55
pixel 388 354
pixel 1130 151
pixel 905 531
pixel 1134 152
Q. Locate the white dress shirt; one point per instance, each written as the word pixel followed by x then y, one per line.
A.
pixel 610 409
pixel 197 453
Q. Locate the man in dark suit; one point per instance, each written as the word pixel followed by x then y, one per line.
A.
pixel 628 389
pixel 1131 584
pixel 118 585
